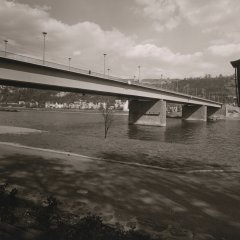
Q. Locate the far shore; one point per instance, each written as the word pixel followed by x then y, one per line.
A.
pixel 64 110
pixel 234 112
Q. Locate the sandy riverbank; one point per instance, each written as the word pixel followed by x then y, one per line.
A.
pixel 17 130
pixel 206 202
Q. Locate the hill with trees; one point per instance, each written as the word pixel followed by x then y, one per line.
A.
pixel 220 88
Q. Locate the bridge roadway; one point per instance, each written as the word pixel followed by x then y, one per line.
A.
pixel 21 71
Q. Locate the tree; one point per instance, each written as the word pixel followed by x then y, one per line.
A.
pixel 107 113
pixel 5 94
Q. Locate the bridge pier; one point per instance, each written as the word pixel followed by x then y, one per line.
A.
pixel 194 113
pixel 150 113
pixel 214 113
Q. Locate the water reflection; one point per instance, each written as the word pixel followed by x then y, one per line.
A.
pixel 177 131
pixel 141 132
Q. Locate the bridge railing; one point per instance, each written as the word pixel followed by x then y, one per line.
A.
pixel 42 62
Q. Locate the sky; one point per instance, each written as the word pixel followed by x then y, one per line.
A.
pixel 169 38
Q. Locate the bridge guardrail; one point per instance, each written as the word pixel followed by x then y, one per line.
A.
pixel 40 62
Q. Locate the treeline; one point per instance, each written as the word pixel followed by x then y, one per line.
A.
pixel 220 88
pixel 14 95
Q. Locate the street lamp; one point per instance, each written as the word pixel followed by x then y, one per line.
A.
pixel 5 42
pixel 139 69
pixel 69 63
pixel 203 92
pixel 104 63
pixel 44 39
pixel 108 72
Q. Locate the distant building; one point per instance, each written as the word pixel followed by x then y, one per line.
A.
pixel 236 65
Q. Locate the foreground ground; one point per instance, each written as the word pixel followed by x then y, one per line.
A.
pixel 150 199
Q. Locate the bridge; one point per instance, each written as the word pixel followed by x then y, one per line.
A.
pixel 147 105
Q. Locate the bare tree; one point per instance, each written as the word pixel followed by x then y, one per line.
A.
pixel 107 114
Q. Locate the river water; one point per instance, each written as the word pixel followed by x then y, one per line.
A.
pixel 191 145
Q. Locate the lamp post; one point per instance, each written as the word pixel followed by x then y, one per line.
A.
pixel 104 63
pixel 108 72
pixel 139 72
pixel 69 63
pixel 44 40
pixel 5 42
pixel 203 92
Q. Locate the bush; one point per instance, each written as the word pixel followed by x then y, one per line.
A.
pixel 8 203
pixel 53 225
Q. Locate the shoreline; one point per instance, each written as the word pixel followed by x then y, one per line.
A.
pixel 64 110
pixel 172 115
pixel 81 157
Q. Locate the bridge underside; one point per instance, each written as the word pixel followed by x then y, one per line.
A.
pixel 153 113
pixel 147 105
pixel 18 73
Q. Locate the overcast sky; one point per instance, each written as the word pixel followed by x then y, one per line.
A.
pixel 174 38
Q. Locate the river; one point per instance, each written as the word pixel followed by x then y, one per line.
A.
pixel 180 145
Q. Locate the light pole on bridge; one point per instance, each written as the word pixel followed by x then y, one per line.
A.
pixel 44 40
pixel 69 63
pixel 5 43
pixel 108 72
pixel 139 73
pixel 104 64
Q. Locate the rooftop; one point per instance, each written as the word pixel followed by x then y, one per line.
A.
pixel 236 63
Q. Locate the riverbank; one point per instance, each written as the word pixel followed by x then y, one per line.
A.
pixel 233 112
pixel 63 110
pixel 206 203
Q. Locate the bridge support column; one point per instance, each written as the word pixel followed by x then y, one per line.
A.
pixel 217 113
pixel 194 113
pixel 151 113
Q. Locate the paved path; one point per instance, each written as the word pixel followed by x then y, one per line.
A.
pixel 149 198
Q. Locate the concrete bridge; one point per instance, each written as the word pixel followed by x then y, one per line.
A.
pixel 147 105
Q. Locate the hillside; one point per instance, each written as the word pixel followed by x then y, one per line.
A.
pixel 14 95
pixel 221 88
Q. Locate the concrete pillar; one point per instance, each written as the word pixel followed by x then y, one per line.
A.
pixel 217 113
pixel 194 113
pixel 151 113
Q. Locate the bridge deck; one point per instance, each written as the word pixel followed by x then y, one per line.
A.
pixel 23 71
